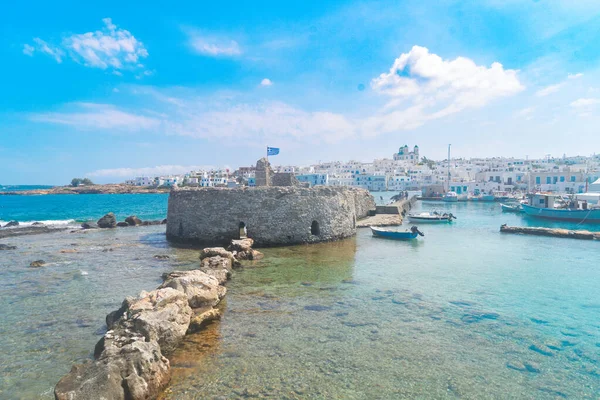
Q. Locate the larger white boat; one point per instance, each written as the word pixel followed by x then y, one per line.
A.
pixel 543 206
pixel 429 217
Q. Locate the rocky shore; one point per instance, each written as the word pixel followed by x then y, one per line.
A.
pixel 130 361
pixel 91 189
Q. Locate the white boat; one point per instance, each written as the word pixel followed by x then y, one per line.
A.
pixel 543 206
pixel 450 197
pixel 431 217
pixel 516 208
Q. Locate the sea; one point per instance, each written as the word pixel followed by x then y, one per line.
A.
pixel 463 312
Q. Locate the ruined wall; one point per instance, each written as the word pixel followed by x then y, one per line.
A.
pixel 284 179
pixel 272 215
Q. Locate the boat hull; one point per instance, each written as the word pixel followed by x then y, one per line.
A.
pixel 591 216
pixel 513 209
pixel 393 234
pixel 429 220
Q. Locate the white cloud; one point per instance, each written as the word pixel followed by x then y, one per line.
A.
pixel 158 170
pixel 581 103
pixel 575 76
pixel 422 86
pixel 90 116
pixel 266 82
pixel 212 45
pixel 526 113
pixel 110 48
pixel 28 50
pixel 43 47
pixel 549 90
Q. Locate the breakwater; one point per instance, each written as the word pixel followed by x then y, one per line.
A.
pixel 553 232
pixel 131 358
pixel 388 215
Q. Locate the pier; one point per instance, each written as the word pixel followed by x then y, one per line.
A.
pixel 562 233
pixel 388 215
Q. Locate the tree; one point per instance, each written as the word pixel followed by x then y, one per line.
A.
pixel 75 182
pixel 87 181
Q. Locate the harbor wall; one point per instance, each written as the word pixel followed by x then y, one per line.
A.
pixel 272 215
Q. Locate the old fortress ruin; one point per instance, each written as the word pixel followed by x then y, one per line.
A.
pixel 278 211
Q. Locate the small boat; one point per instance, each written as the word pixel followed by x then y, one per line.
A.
pixel 450 197
pixel 515 208
pixel 398 235
pixel 431 217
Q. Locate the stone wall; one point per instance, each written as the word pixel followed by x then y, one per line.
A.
pixel 284 179
pixel 272 215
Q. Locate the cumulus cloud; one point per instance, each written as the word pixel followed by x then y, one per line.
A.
pixel 582 103
pixel 212 45
pixel 158 170
pixel 109 48
pixel 91 116
pixel 433 87
pixel 266 82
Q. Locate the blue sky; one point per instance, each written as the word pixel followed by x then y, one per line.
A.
pixel 114 89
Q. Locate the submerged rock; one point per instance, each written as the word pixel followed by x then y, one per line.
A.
pixel 89 225
pixel 122 224
pixel 516 365
pixel 133 220
pixel 37 224
pixel 541 348
pixel 161 256
pixel 11 223
pixel 108 221
pixel 7 247
pixel 477 316
pixel 202 317
pixel 37 264
pixel 317 307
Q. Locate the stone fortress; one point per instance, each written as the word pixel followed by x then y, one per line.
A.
pixel 279 211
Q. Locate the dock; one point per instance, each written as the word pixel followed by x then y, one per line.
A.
pixel 561 233
pixel 388 215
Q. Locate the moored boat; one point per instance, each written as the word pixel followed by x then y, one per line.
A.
pixel 410 234
pixel 450 197
pixel 515 208
pixel 543 206
pixel 431 217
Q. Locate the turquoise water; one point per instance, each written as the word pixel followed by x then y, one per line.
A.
pixel 461 313
pixel 20 188
pixel 82 207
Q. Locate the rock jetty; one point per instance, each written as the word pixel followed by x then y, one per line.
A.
pixel 130 361
pixel 562 233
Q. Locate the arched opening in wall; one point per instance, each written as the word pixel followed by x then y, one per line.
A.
pixel 243 230
pixel 315 229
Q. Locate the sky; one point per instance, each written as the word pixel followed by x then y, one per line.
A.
pixel 111 90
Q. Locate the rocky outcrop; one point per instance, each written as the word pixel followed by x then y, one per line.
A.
pixel 7 247
pixel 11 224
pixel 108 221
pixel 122 224
pixel 133 220
pixel 130 360
pixel 37 264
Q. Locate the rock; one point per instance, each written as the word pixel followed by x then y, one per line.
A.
pixel 542 349
pixel 37 264
pixel 161 257
pixel 249 255
pixel 477 316
pixel 122 224
pixel 215 251
pixel 11 223
pixel 37 224
pixel 162 315
pixel 163 222
pixel 222 275
pixel 89 225
pixel 241 245
pixel 135 371
pixel 201 289
pixel 216 262
pixel 200 319
pixel 108 221
pixel 7 247
pixel 147 223
pixel 133 220
pixel 68 251
pixel 317 307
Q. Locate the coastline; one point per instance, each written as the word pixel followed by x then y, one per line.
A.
pixel 92 189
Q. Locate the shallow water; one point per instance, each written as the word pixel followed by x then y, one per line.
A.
pixel 442 317
pixel 449 316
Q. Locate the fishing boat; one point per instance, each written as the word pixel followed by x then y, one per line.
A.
pixel 431 217
pixel 543 206
pixel 515 208
pixel 450 197
pixel 409 234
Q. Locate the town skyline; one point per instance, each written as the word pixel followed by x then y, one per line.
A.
pixel 130 89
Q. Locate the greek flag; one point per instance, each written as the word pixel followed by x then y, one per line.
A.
pixel 272 151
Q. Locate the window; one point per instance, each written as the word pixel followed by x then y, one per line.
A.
pixel 537 180
pixel 562 178
pixel 548 180
pixel 314 229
